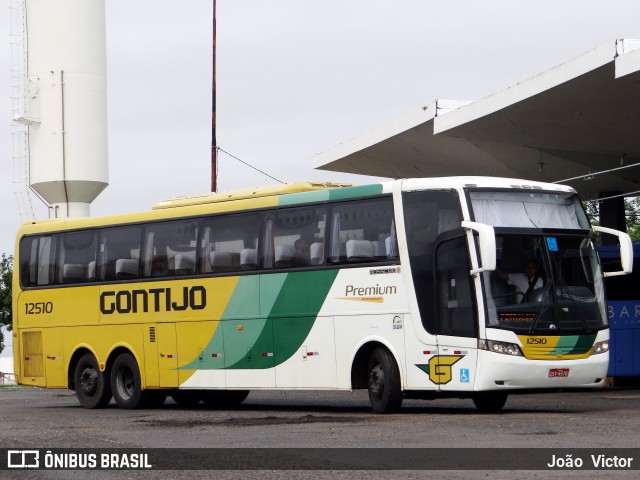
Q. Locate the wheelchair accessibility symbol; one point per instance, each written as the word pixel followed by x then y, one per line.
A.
pixel 464 375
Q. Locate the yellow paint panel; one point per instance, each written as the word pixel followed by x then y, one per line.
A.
pixel 76 310
pixel 103 340
pixel 54 358
pixel 544 347
pixel 168 356
pixel 152 373
pixel 58 306
pixel 193 339
pixel 32 358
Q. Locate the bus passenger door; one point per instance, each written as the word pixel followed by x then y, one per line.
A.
pixel 456 316
pixel 167 355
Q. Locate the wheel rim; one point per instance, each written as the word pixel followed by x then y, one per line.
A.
pixel 376 381
pixel 89 380
pixel 125 383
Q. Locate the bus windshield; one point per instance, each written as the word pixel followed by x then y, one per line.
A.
pixel 545 284
pixel 547 281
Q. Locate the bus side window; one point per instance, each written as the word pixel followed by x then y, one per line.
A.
pixel 37 264
pixel 170 248
pixel 230 243
pixel 118 253
pixel 294 238
pixel 77 257
pixel 363 231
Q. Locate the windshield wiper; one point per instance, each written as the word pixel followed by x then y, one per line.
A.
pixel 543 308
pixel 566 292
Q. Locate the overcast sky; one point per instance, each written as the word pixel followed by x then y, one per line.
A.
pixel 296 77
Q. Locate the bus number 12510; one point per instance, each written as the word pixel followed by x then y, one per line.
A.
pixel 38 308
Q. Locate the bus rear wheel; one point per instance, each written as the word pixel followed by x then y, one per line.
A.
pixel 92 388
pixel 125 382
pixel 385 391
pixel 490 401
pixel 224 398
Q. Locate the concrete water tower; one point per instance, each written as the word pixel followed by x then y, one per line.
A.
pixel 66 103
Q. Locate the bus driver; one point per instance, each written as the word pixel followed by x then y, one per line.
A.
pixel 524 282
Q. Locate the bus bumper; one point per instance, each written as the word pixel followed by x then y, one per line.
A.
pixel 503 372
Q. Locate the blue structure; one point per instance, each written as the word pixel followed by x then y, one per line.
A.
pixel 623 299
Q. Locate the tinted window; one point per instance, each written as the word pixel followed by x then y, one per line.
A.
pixel 454 289
pixel 294 237
pixel 77 257
pixel 170 248
pixel 119 253
pixel 428 214
pixel 37 261
pixel 230 243
pixel 363 231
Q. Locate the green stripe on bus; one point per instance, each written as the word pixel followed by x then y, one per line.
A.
pixel 302 293
pixel 289 301
pixel 246 305
pixel 304 197
pixel 330 194
pixel 354 192
pixel 573 345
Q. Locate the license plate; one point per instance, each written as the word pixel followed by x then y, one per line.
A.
pixel 558 372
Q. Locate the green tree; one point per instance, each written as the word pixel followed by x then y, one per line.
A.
pixel 593 211
pixel 6 274
pixel 631 212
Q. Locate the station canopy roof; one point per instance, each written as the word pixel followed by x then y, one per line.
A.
pixel 579 119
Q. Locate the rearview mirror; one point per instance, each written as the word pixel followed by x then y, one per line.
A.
pixel 626 250
pixel 486 243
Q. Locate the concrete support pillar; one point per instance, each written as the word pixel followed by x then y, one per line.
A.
pixel 612 215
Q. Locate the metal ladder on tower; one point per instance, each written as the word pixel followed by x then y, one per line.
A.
pixel 19 107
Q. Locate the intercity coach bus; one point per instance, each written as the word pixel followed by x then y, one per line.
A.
pixel 405 288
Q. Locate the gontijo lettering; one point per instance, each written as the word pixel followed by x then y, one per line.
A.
pixel 153 299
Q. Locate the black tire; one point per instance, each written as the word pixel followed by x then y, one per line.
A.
pixel 125 382
pixel 385 391
pixel 224 398
pixel 490 401
pixel 92 386
pixel 187 398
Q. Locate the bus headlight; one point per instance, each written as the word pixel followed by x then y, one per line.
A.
pixel 500 347
pixel 600 347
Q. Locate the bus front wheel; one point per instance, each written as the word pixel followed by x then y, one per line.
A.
pixel 125 382
pixel 385 391
pixel 92 388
